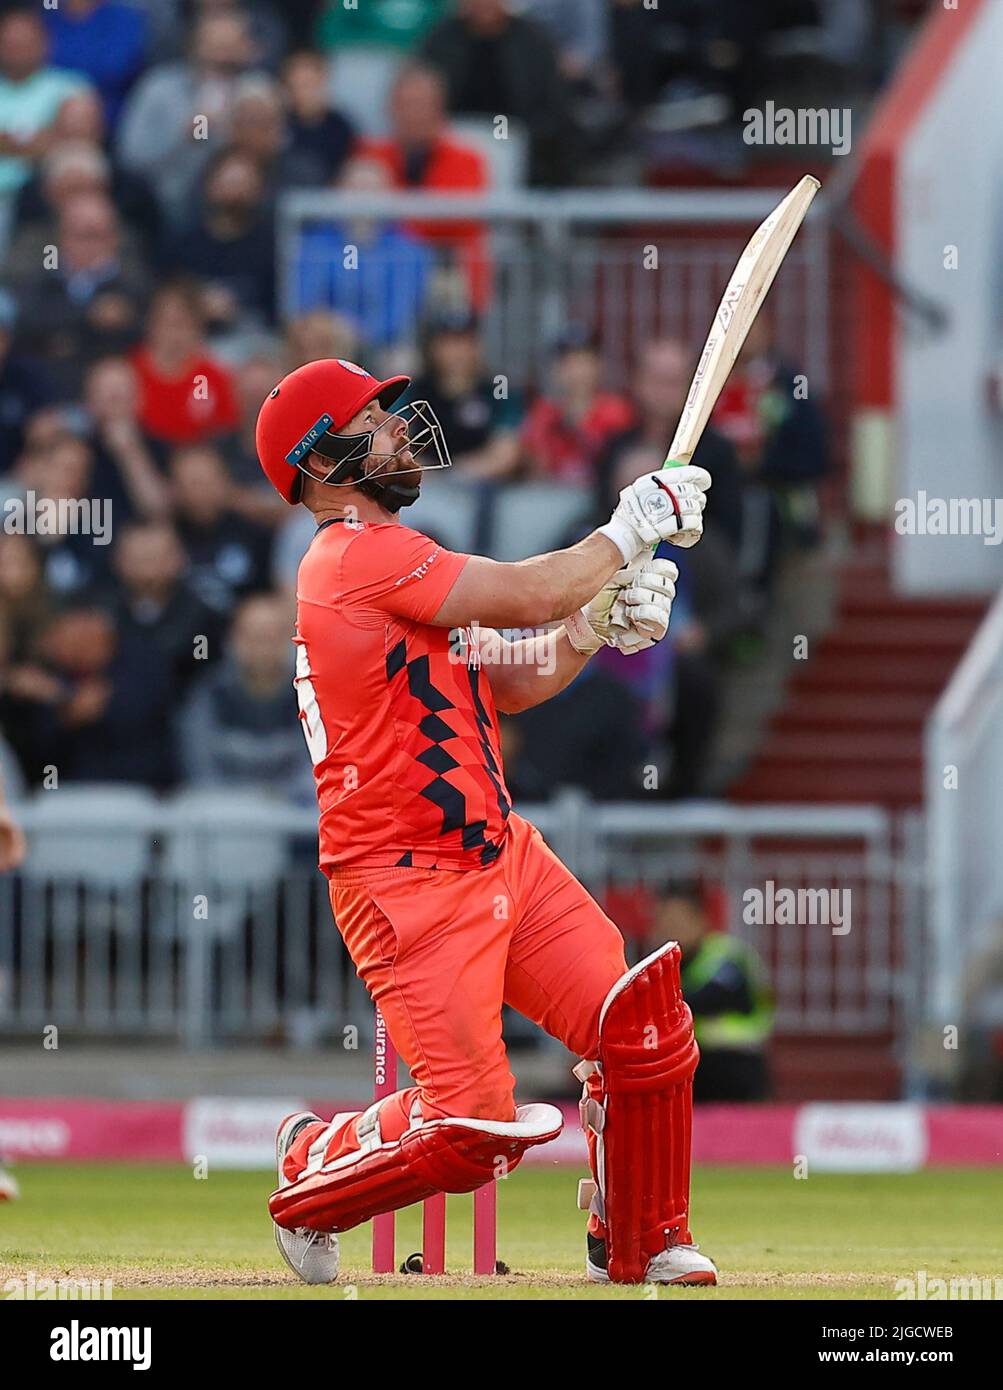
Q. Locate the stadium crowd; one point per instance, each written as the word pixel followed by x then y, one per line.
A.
pixel 144 149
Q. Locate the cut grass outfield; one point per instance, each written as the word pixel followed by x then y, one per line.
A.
pixel 160 1233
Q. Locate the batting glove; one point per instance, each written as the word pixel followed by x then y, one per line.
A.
pixel 630 612
pixel 663 506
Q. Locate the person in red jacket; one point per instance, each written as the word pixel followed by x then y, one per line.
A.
pixel 186 395
pixel 421 154
pixel 567 427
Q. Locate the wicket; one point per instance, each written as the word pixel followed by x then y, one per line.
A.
pixel 433 1223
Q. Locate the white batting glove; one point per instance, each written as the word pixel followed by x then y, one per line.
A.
pixel 663 506
pixel 630 612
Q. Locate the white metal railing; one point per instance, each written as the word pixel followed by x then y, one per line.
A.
pixel 204 917
pixel 557 256
pixel 964 813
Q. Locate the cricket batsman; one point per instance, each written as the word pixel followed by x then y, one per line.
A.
pixel 450 904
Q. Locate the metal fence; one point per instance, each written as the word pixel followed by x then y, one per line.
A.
pixel 964 808
pixel 205 919
pixel 631 266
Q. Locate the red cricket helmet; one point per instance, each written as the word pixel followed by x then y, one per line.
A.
pixel 315 400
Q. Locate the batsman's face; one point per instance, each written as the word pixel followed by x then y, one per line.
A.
pixel 390 452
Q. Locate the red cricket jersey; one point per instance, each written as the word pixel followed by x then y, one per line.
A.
pixel 398 715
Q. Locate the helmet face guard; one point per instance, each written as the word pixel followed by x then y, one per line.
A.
pixel 347 453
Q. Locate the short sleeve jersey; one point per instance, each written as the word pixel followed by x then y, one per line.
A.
pixel 398 714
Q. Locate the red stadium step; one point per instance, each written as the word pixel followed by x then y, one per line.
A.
pixel 851 727
pixel 848 786
pixel 858 602
pixel 832 672
pixel 908 631
pixel 903 712
pixel 841 748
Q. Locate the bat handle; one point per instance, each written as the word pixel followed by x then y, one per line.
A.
pixel 682 535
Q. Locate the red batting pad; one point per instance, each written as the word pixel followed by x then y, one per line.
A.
pixel 643 1091
pixel 451 1155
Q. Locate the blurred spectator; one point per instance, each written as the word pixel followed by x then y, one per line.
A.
pixel 299 18
pixel 677 682
pixel 13 848
pixel 580 30
pixel 318 334
pixel 498 63
pixel 591 736
pixel 421 154
pixel 104 39
pixel 125 466
pixel 30 94
pixel 251 494
pixel 260 130
pixel 228 555
pixel 230 246
pixel 779 435
pixel 80 117
pixel 659 388
pixel 76 161
pixel 72 169
pixel 566 429
pixel 395 24
pixel 370 270
pixel 724 983
pixel 96 704
pixel 24 387
pixel 239 727
pixel 316 131
pixel 685 57
pixel 153 602
pixel 366 47
pixel 25 602
pixel 185 394
pixel 292 541
pixel 267 22
pixel 89 302
pixel 79 124
pixel 178 112
pixel 43 431
pixel 480 416
pixel 58 467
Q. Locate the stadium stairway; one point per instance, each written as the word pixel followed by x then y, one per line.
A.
pixel 851 720
pixel 847 726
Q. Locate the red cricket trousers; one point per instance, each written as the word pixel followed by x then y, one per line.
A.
pixel 441 950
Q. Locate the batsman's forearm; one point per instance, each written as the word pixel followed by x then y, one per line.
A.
pixel 559 583
pixel 530 593
pixel 533 669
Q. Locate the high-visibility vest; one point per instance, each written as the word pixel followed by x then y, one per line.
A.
pixel 736 1030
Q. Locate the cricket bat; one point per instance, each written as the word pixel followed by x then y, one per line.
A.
pixel 751 278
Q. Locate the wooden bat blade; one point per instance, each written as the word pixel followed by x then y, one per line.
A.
pixel 752 277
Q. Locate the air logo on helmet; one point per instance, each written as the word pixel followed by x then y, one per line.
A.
pixel 353 367
pixel 309 440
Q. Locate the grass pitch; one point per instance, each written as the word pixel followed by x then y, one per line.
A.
pixel 161 1234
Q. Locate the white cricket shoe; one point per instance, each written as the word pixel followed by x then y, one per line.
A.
pixel 313 1255
pixel 676 1264
pixel 680 1264
pixel 9 1190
